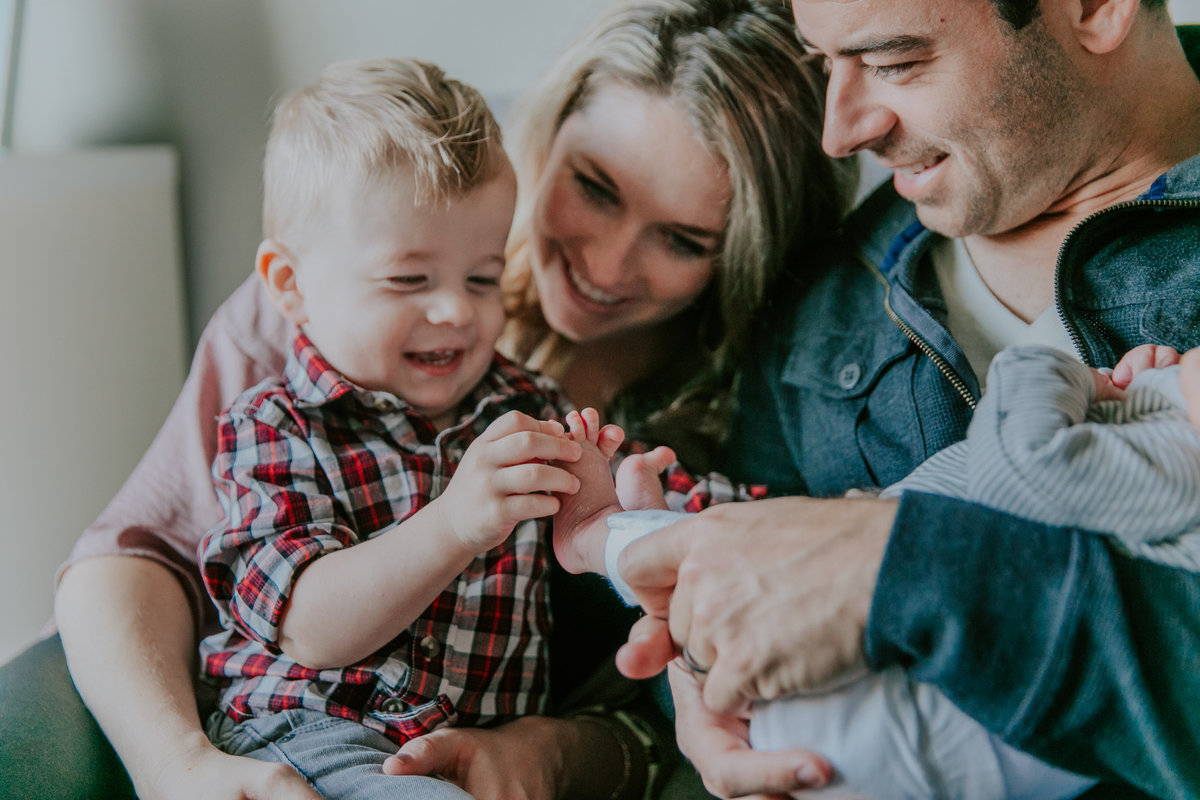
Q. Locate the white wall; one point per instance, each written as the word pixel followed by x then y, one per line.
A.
pixel 92 348
pixel 1185 11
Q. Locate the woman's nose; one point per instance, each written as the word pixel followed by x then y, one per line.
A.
pixel 610 257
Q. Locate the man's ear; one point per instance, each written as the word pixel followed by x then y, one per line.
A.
pixel 276 266
pixel 1102 25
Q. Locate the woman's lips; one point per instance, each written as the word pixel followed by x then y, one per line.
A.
pixel 588 291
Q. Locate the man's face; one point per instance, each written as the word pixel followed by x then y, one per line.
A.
pixel 979 121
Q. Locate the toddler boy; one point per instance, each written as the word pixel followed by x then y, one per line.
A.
pixel 378 571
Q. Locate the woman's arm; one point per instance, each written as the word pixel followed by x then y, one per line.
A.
pixel 129 598
pixel 127 631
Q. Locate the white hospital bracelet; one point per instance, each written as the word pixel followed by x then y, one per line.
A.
pixel 626 527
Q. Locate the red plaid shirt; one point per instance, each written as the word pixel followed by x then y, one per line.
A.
pixel 311 464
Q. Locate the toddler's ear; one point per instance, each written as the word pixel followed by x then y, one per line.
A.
pixel 275 265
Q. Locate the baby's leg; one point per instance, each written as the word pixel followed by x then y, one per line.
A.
pixel 580 526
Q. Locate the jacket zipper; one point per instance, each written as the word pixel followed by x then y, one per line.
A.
pixel 1072 330
pixel 939 361
pixel 1076 338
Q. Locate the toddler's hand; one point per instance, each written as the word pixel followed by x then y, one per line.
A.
pixel 503 480
pixel 1141 358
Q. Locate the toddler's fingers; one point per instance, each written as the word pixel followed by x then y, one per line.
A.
pixel 530 506
pixel 521 447
pixel 508 424
pixel 530 478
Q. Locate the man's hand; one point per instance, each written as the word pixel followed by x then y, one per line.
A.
pixel 772 595
pixel 530 758
pixel 719 746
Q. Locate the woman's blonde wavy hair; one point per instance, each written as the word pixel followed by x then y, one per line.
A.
pixel 752 95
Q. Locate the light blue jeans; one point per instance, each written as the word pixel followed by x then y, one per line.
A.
pixel 339 757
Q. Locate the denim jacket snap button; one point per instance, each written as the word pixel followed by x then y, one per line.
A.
pixel 392 705
pixel 849 375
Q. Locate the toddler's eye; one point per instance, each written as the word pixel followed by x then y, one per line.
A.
pixel 484 281
pixel 407 283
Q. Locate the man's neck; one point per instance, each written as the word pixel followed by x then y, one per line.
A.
pixel 1019 265
pixel 1161 127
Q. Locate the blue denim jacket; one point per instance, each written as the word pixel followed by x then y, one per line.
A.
pixel 1052 639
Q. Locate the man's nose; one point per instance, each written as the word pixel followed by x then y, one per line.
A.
pixel 854 120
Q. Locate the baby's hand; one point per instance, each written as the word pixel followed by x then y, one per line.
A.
pixel 1141 358
pixel 503 479
pixel 1189 383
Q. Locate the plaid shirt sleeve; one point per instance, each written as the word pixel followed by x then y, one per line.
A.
pixel 278 516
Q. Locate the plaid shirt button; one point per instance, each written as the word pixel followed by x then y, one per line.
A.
pixel 430 647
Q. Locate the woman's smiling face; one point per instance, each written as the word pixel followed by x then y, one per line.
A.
pixel 629 216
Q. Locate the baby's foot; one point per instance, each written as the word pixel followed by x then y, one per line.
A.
pixel 638 484
pixel 580 526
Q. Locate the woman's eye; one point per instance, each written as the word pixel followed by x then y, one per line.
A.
pixel 595 191
pixel 685 246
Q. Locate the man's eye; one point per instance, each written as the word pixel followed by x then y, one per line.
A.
pixel 890 71
pixel 595 191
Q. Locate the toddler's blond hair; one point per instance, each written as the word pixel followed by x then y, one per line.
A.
pixel 370 117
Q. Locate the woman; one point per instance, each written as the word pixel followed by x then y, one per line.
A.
pixel 667 164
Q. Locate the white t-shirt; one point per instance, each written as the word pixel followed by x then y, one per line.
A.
pixel 978 321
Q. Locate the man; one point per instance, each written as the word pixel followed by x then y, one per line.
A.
pixel 1044 149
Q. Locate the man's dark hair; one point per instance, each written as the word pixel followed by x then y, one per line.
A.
pixel 1019 13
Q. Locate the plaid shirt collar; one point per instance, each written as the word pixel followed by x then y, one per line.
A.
pixel 313 382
